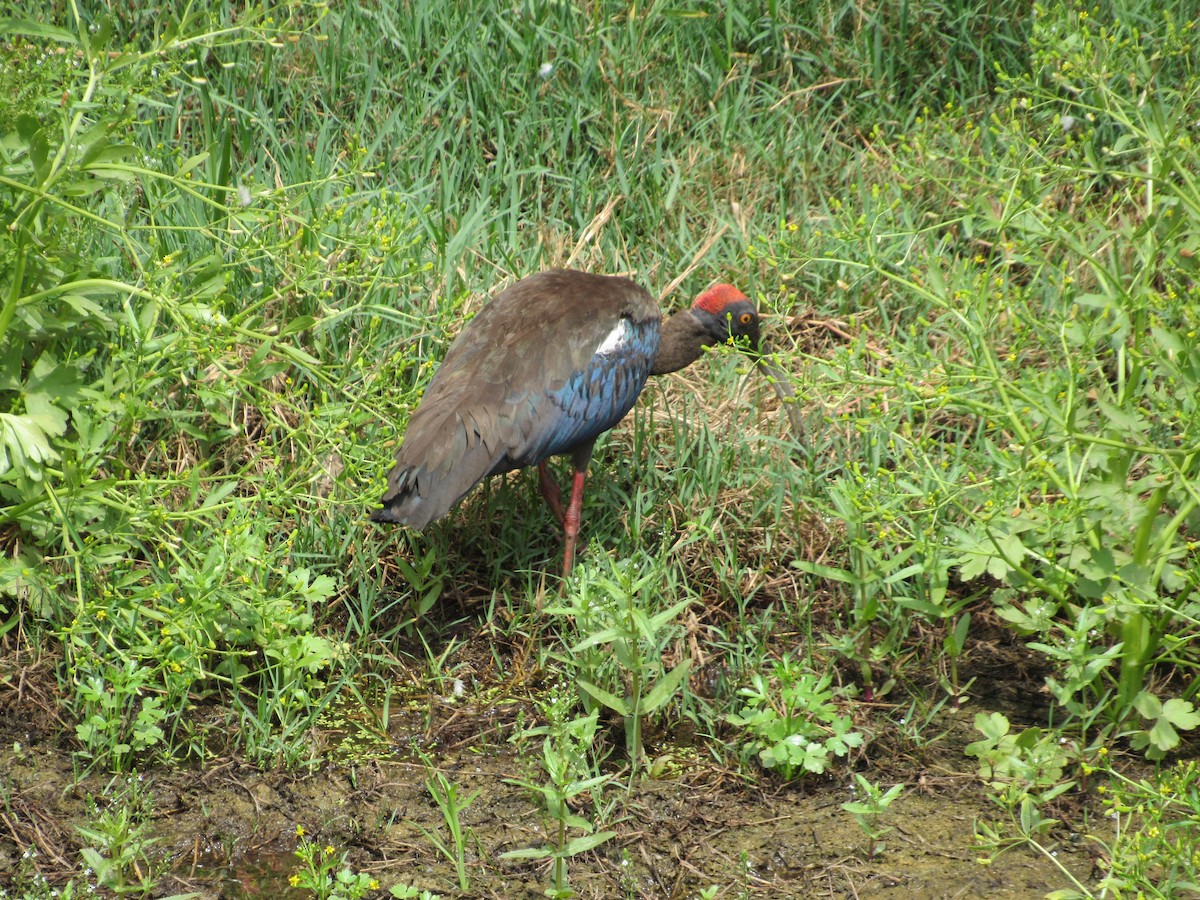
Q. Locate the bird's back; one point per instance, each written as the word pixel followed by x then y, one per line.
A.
pixel 548 365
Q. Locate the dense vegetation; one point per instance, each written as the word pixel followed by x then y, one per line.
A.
pixel 235 245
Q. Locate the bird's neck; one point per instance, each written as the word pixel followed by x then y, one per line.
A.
pixel 683 339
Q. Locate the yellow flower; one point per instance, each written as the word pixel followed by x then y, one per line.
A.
pixel 299 831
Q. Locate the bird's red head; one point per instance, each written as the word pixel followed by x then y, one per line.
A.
pixel 718 298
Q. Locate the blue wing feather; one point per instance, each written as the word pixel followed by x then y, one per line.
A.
pixel 593 400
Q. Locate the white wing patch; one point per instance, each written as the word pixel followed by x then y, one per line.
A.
pixel 616 340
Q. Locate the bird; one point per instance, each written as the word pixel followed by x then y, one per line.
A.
pixel 547 365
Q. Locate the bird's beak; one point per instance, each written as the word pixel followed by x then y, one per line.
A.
pixel 782 383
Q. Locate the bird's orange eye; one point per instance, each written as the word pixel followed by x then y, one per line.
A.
pixel 746 318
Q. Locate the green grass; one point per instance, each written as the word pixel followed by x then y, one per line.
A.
pixel 235 249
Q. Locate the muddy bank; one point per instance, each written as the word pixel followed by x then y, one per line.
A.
pixel 228 830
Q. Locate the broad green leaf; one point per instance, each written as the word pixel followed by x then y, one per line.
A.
pixel 1163 735
pixel 1148 705
pixel 973 565
pixel 530 853
pixel 1181 713
pixel 961 628
pixel 587 842
pixel 1010 551
pixel 51 389
pixel 300 323
pixel 603 636
pixel 39 154
pixel 574 821
pixel 31 28
pixel 992 726
pixel 80 188
pixel 85 306
pixel 112 153
pixel 25 439
pixel 109 172
pixel 27 126
pixel 578 787
pixel 1127 421
pixel 827 572
pixel 906 573
pixel 666 687
pixel 191 163
pixel 658 620
pixel 613 702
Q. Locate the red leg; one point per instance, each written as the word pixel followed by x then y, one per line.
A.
pixel 552 493
pixel 571 521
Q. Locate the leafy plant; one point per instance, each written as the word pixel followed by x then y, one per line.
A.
pixel 121 342
pixel 1029 764
pixel 869 809
pixel 1052 458
pixel 445 794
pixel 232 252
pixel 28 882
pixel 1106 439
pixel 407 892
pixel 1150 846
pixel 1166 721
pixel 118 842
pixel 567 761
pixel 108 731
pixel 1023 772
pixel 791 722
pixel 614 614
pixel 325 872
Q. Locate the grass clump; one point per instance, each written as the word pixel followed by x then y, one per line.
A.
pixel 1026 417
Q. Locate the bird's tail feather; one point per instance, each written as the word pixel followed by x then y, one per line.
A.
pixel 435 468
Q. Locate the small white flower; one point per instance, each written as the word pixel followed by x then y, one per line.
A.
pixel 545 70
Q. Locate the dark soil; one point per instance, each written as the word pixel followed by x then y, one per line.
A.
pixel 229 830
